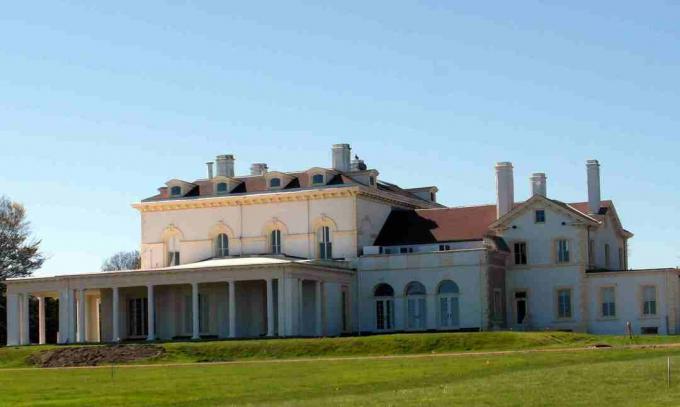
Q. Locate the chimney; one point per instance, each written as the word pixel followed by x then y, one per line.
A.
pixel 358 165
pixel 210 169
pixel 341 157
pixel 538 184
pixel 505 188
pixel 258 169
pixel 594 199
pixel 225 165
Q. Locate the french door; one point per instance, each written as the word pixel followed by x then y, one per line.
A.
pixel 416 314
pixel 384 314
pixel 449 317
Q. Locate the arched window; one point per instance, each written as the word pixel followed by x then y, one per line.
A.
pixel 173 250
pixel 384 307
pixel 416 314
pixel 175 191
pixel 222 245
pixel 222 188
pixel 325 243
pixel 449 314
pixel 275 183
pixel 275 241
pixel 317 179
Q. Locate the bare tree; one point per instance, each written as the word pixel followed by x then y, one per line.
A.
pixel 19 253
pixel 123 261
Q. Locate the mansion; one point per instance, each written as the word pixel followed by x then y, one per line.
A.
pixel 333 251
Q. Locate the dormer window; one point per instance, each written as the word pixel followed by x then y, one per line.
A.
pixel 176 191
pixel 371 180
pixel 317 179
pixel 222 188
pixel 275 183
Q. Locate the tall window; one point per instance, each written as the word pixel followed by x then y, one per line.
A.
pixel 563 251
pixel 415 306
pixel 384 307
pixel 137 317
pixel 449 314
pixel 173 251
pixel 622 264
pixel 521 253
pixel 276 241
pixel 175 191
pixel 648 300
pixel 222 245
pixel 607 260
pixel 608 302
pixel 275 183
pixel 325 244
pixel 591 253
pixel 540 216
pixel 497 304
pixel 317 179
pixel 222 188
pixel 564 303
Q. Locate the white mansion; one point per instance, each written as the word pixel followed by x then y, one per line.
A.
pixel 331 251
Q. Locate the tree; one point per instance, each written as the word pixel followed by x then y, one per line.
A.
pixel 19 252
pixel 123 261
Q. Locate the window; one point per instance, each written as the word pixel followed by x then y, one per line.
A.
pixel 222 245
pixel 276 241
pixel 371 180
pixel 540 216
pixel 497 304
pixel 384 307
pixel 137 317
pixel 606 256
pixel 622 265
pixel 317 179
pixel 275 183
pixel 175 191
pixel 388 250
pixel 608 302
pixel 325 244
pixel 222 188
pixel 649 330
pixel 648 300
pixel 173 251
pixel 449 313
pixel 444 247
pixel 591 252
pixel 521 253
pixel 415 306
pixel 563 251
pixel 405 250
pixel 564 303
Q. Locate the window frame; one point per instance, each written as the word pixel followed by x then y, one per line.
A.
pixel 217 188
pixel 275 245
pixel 558 306
pixel 543 216
pixel 221 251
pixel 324 238
pixel 611 311
pixel 520 254
pixel 175 191
pixel 315 183
pixel 559 259
pixel 644 301
pixel 278 180
pixel 173 246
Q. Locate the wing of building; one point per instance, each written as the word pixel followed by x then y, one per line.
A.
pixel 338 250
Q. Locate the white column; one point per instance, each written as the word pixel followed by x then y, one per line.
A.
pixel 13 319
pixel 116 314
pixel 280 286
pixel 319 309
pixel 300 307
pixel 194 312
pixel 232 309
pixel 151 313
pixel 41 320
pixel 64 311
pixel 270 308
pixel 81 316
pixel 25 320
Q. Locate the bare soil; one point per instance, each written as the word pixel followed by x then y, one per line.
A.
pixel 95 355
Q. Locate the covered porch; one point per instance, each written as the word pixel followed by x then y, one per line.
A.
pixel 220 298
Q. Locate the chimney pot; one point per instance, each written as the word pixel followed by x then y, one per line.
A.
pixel 505 188
pixel 341 157
pixel 210 169
pixel 538 184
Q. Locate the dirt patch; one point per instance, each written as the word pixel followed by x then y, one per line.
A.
pixel 95 355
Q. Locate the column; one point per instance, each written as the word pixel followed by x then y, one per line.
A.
pixel 41 320
pixel 194 312
pixel 63 336
pixel 270 308
pixel 13 319
pixel 283 311
pixel 319 309
pixel 151 313
pixel 82 330
pixel 25 320
pixel 300 307
pixel 232 309
pixel 116 315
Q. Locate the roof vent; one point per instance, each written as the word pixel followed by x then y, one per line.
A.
pixel 358 164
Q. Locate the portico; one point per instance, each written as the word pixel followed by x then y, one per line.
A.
pixel 221 298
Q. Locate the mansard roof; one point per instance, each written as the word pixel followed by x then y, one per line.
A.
pixel 470 223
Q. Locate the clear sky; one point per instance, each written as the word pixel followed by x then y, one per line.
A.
pixel 102 102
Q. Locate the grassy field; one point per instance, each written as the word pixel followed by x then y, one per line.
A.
pixel 592 377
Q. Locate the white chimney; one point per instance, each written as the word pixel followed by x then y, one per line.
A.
pixel 225 165
pixel 341 157
pixel 210 169
pixel 538 184
pixel 594 197
pixel 258 169
pixel 505 188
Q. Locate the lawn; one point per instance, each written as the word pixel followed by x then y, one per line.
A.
pixel 615 376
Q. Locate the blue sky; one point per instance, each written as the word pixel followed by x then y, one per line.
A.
pixel 101 103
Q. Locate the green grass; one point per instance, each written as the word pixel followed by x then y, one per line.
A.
pixel 594 377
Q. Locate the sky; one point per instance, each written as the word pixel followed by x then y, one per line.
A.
pixel 102 102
